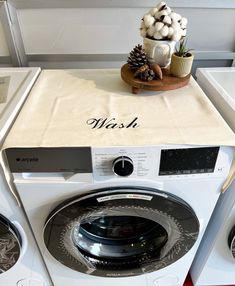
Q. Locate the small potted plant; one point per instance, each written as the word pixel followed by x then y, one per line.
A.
pixel 181 60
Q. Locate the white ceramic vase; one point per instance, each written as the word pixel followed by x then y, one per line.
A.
pixel 159 51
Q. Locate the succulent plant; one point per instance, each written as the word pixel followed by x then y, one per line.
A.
pixel 182 51
pixel 161 23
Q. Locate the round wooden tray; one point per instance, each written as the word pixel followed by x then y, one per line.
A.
pixel 168 81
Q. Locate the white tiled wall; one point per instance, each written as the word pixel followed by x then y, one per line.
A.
pixel 82 31
pixel 100 33
pixel 116 30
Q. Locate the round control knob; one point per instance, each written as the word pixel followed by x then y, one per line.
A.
pixel 123 166
pixel 231 241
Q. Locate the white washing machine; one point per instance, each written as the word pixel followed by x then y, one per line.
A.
pixel 128 214
pixel 20 260
pixel 108 202
pixel 215 260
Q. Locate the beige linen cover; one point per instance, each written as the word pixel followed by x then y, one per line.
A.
pixel 65 105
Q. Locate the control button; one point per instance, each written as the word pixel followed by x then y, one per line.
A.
pixel 231 241
pixel 123 166
pixel 166 281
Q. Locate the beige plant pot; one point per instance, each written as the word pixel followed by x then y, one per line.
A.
pixel 181 66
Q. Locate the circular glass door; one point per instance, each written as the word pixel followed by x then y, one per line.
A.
pixel 123 238
pixel 121 231
pixel 10 244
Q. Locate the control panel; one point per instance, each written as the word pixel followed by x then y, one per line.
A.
pixel 152 162
pixel 123 162
pixel 147 162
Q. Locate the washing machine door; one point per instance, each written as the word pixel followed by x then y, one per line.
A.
pixel 119 232
pixel 10 244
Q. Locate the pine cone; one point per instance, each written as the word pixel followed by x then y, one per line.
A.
pixel 137 58
pixel 145 73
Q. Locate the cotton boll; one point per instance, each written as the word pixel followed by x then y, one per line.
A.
pixel 183 32
pixel 184 22
pixel 148 20
pixel 178 17
pixel 153 11
pixel 180 31
pixel 156 15
pixel 142 25
pixel 175 17
pixel 176 36
pixel 176 26
pixel 183 26
pixel 168 10
pixel 143 33
pixel 160 14
pixel 170 32
pixel 142 29
pixel 158 26
pixel 157 36
pixel 151 31
pixel 167 20
pixel 160 5
pixel 164 31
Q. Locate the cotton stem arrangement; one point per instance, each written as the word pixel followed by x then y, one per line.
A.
pixel 161 23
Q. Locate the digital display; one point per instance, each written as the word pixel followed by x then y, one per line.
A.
pixel 188 161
